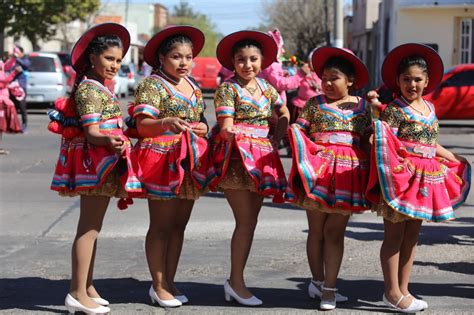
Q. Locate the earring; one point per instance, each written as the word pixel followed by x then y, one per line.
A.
pixel 92 66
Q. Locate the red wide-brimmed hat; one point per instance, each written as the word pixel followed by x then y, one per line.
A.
pixel 150 54
pixel 268 45
pixel 79 58
pixel 322 55
pixel 394 57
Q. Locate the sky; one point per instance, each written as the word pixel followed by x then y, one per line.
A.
pixel 228 15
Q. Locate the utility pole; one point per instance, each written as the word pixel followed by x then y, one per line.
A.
pixel 326 26
pixel 126 13
pixel 338 23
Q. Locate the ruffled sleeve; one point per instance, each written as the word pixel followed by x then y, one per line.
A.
pixel 304 120
pixel 224 101
pixel 393 117
pixel 275 98
pixel 89 103
pixel 148 100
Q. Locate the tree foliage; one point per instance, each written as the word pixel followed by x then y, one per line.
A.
pixel 39 19
pixel 301 22
pixel 183 14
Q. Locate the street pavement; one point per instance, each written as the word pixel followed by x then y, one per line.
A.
pixel 37 228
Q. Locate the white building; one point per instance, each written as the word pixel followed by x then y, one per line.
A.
pixel 445 25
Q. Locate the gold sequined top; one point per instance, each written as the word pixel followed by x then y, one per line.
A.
pixel 231 101
pixel 95 103
pixel 319 117
pixel 158 99
pixel 409 126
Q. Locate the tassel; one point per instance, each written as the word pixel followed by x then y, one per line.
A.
pixel 123 203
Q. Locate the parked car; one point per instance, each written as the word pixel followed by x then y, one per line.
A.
pixel 67 69
pixel 121 84
pixel 132 76
pixel 454 96
pixel 46 80
pixel 205 70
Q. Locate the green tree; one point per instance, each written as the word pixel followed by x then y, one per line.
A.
pixel 39 19
pixel 304 24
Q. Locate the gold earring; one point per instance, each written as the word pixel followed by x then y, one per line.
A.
pixel 92 66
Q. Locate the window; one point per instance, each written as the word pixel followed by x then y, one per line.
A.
pixel 465 78
pixel 467 36
pixel 42 64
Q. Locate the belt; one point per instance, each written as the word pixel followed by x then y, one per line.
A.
pixel 252 131
pixel 421 149
pixel 335 138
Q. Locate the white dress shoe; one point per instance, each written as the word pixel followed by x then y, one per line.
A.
pixel 230 295
pixel 182 298
pixel 163 303
pixel 415 305
pixel 100 301
pixel 73 306
pixel 327 305
pixel 314 292
pixel 422 302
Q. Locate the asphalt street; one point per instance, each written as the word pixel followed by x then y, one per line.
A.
pixel 37 228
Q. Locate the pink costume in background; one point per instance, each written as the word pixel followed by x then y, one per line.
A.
pixel 8 118
pixel 275 75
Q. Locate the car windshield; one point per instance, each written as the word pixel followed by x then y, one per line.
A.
pixel 65 59
pixel 42 64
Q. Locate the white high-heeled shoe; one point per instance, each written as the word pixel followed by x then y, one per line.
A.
pixel 182 298
pixel 163 303
pixel 230 295
pixel 100 301
pixel 73 306
pixel 415 305
pixel 327 305
pixel 313 291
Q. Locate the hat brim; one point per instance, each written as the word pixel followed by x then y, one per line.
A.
pixel 150 54
pixel 268 45
pixel 322 55
pixel 394 57
pixel 79 58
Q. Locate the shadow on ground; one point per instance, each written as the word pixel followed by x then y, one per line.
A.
pixel 39 294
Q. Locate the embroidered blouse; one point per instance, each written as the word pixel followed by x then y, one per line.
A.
pixel 409 126
pixel 95 103
pixel 319 117
pixel 231 101
pixel 157 99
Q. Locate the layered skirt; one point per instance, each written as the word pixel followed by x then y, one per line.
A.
pixel 328 173
pixel 407 180
pixel 174 166
pixel 86 169
pixel 249 162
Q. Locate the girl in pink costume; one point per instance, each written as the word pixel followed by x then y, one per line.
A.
pixel 8 118
pixel 418 178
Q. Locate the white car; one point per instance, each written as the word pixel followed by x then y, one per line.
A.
pixel 121 84
pixel 46 80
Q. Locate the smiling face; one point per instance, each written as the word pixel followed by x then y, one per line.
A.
pixel 106 64
pixel 178 61
pixel 412 82
pixel 247 62
pixel 335 84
